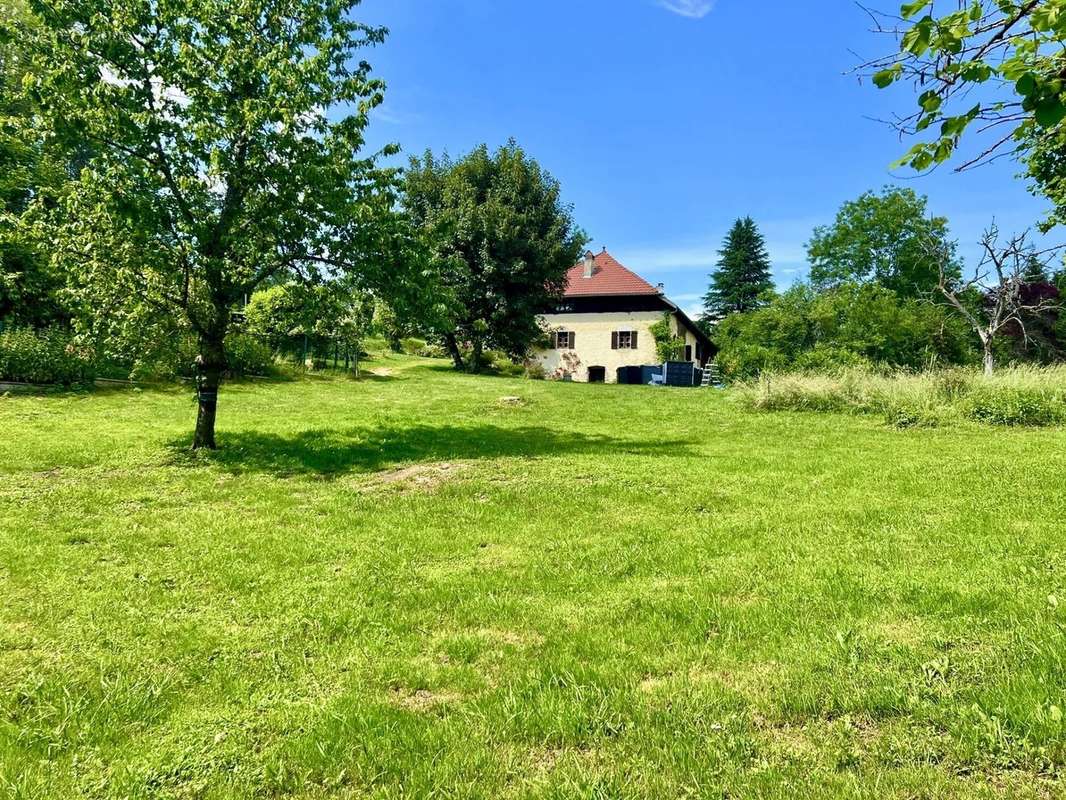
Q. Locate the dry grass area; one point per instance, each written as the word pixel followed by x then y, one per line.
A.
pixel 1018 396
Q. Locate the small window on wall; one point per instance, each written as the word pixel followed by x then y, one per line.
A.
pixel 624 340
pixel 564 340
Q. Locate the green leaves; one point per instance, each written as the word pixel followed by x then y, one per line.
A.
pixel 917 39
pixel 880 237
pixel 980 41
pixel 930 101
pixel 886 77
pixel 908 10
pixel 1026 85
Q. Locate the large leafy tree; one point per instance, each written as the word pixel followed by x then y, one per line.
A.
pixel 743 274
pixel 30 171
pixel 887 237
pixel 501 241
pixel 226 142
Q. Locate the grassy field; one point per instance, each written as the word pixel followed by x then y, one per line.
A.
pixel 409 586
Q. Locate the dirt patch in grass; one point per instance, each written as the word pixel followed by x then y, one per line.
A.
pixel 423 701
pixel 753 681
pixel 422 477
pixel 790 741
pixel 541 761
pixel 511 638
pixel 906 632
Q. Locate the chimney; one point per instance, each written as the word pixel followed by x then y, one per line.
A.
pixel 661 288
pixel 590 264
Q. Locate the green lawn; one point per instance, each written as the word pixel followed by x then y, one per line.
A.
pixel 405 586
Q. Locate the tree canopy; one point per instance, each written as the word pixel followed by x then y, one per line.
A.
pixel 501 241
pixel 743 273
pixel 883 237
pixel 226 140
pixel 30 171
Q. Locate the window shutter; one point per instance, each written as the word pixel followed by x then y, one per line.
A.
pixel 555 340
pixel 614 340
pixel 634 340
pixel 571 337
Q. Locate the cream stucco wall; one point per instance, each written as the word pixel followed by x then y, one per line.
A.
pixel 592 343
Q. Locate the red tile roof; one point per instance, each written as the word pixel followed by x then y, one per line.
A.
pixel 608 278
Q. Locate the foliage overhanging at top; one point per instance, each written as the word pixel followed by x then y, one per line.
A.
pixel 1010 50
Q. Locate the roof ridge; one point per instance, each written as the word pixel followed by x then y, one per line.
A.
pixel 609 277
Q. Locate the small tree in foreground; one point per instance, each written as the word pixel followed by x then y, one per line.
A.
pixel 997 300
pixel 225 139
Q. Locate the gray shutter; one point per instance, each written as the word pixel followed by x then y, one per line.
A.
pixel 634 340
pixel 555 340
pixel 614 340
pixel 571 335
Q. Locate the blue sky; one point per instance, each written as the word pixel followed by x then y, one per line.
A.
pixel 665 120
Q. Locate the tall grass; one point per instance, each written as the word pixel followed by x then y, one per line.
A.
pixel 1029 396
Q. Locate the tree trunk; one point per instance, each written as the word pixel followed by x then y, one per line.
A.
pixel 453 349
pixel 475 356
pixel 209 366
pixel 990 359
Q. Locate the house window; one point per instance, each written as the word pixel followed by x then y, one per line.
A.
pixel 624 340
pixel 564 340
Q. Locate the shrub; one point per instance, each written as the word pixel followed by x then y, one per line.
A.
pixel 741 360
pixel 433 351
pixel 831 360
pixel 851 325
pixel 535 371
pixel 668 346
pixel 375 344
pixel 246 355
pixel 46 356
pixel 1015 405
pixel 502 364
pixel 412 345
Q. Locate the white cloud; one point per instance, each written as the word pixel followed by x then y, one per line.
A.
pixel 392 116
pixel 693 9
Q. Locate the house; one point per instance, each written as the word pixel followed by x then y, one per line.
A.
pixel 604 320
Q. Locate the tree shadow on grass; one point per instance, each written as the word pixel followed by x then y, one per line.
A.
pixel 331 452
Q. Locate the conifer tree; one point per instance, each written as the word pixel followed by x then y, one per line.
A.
pixel 743 273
